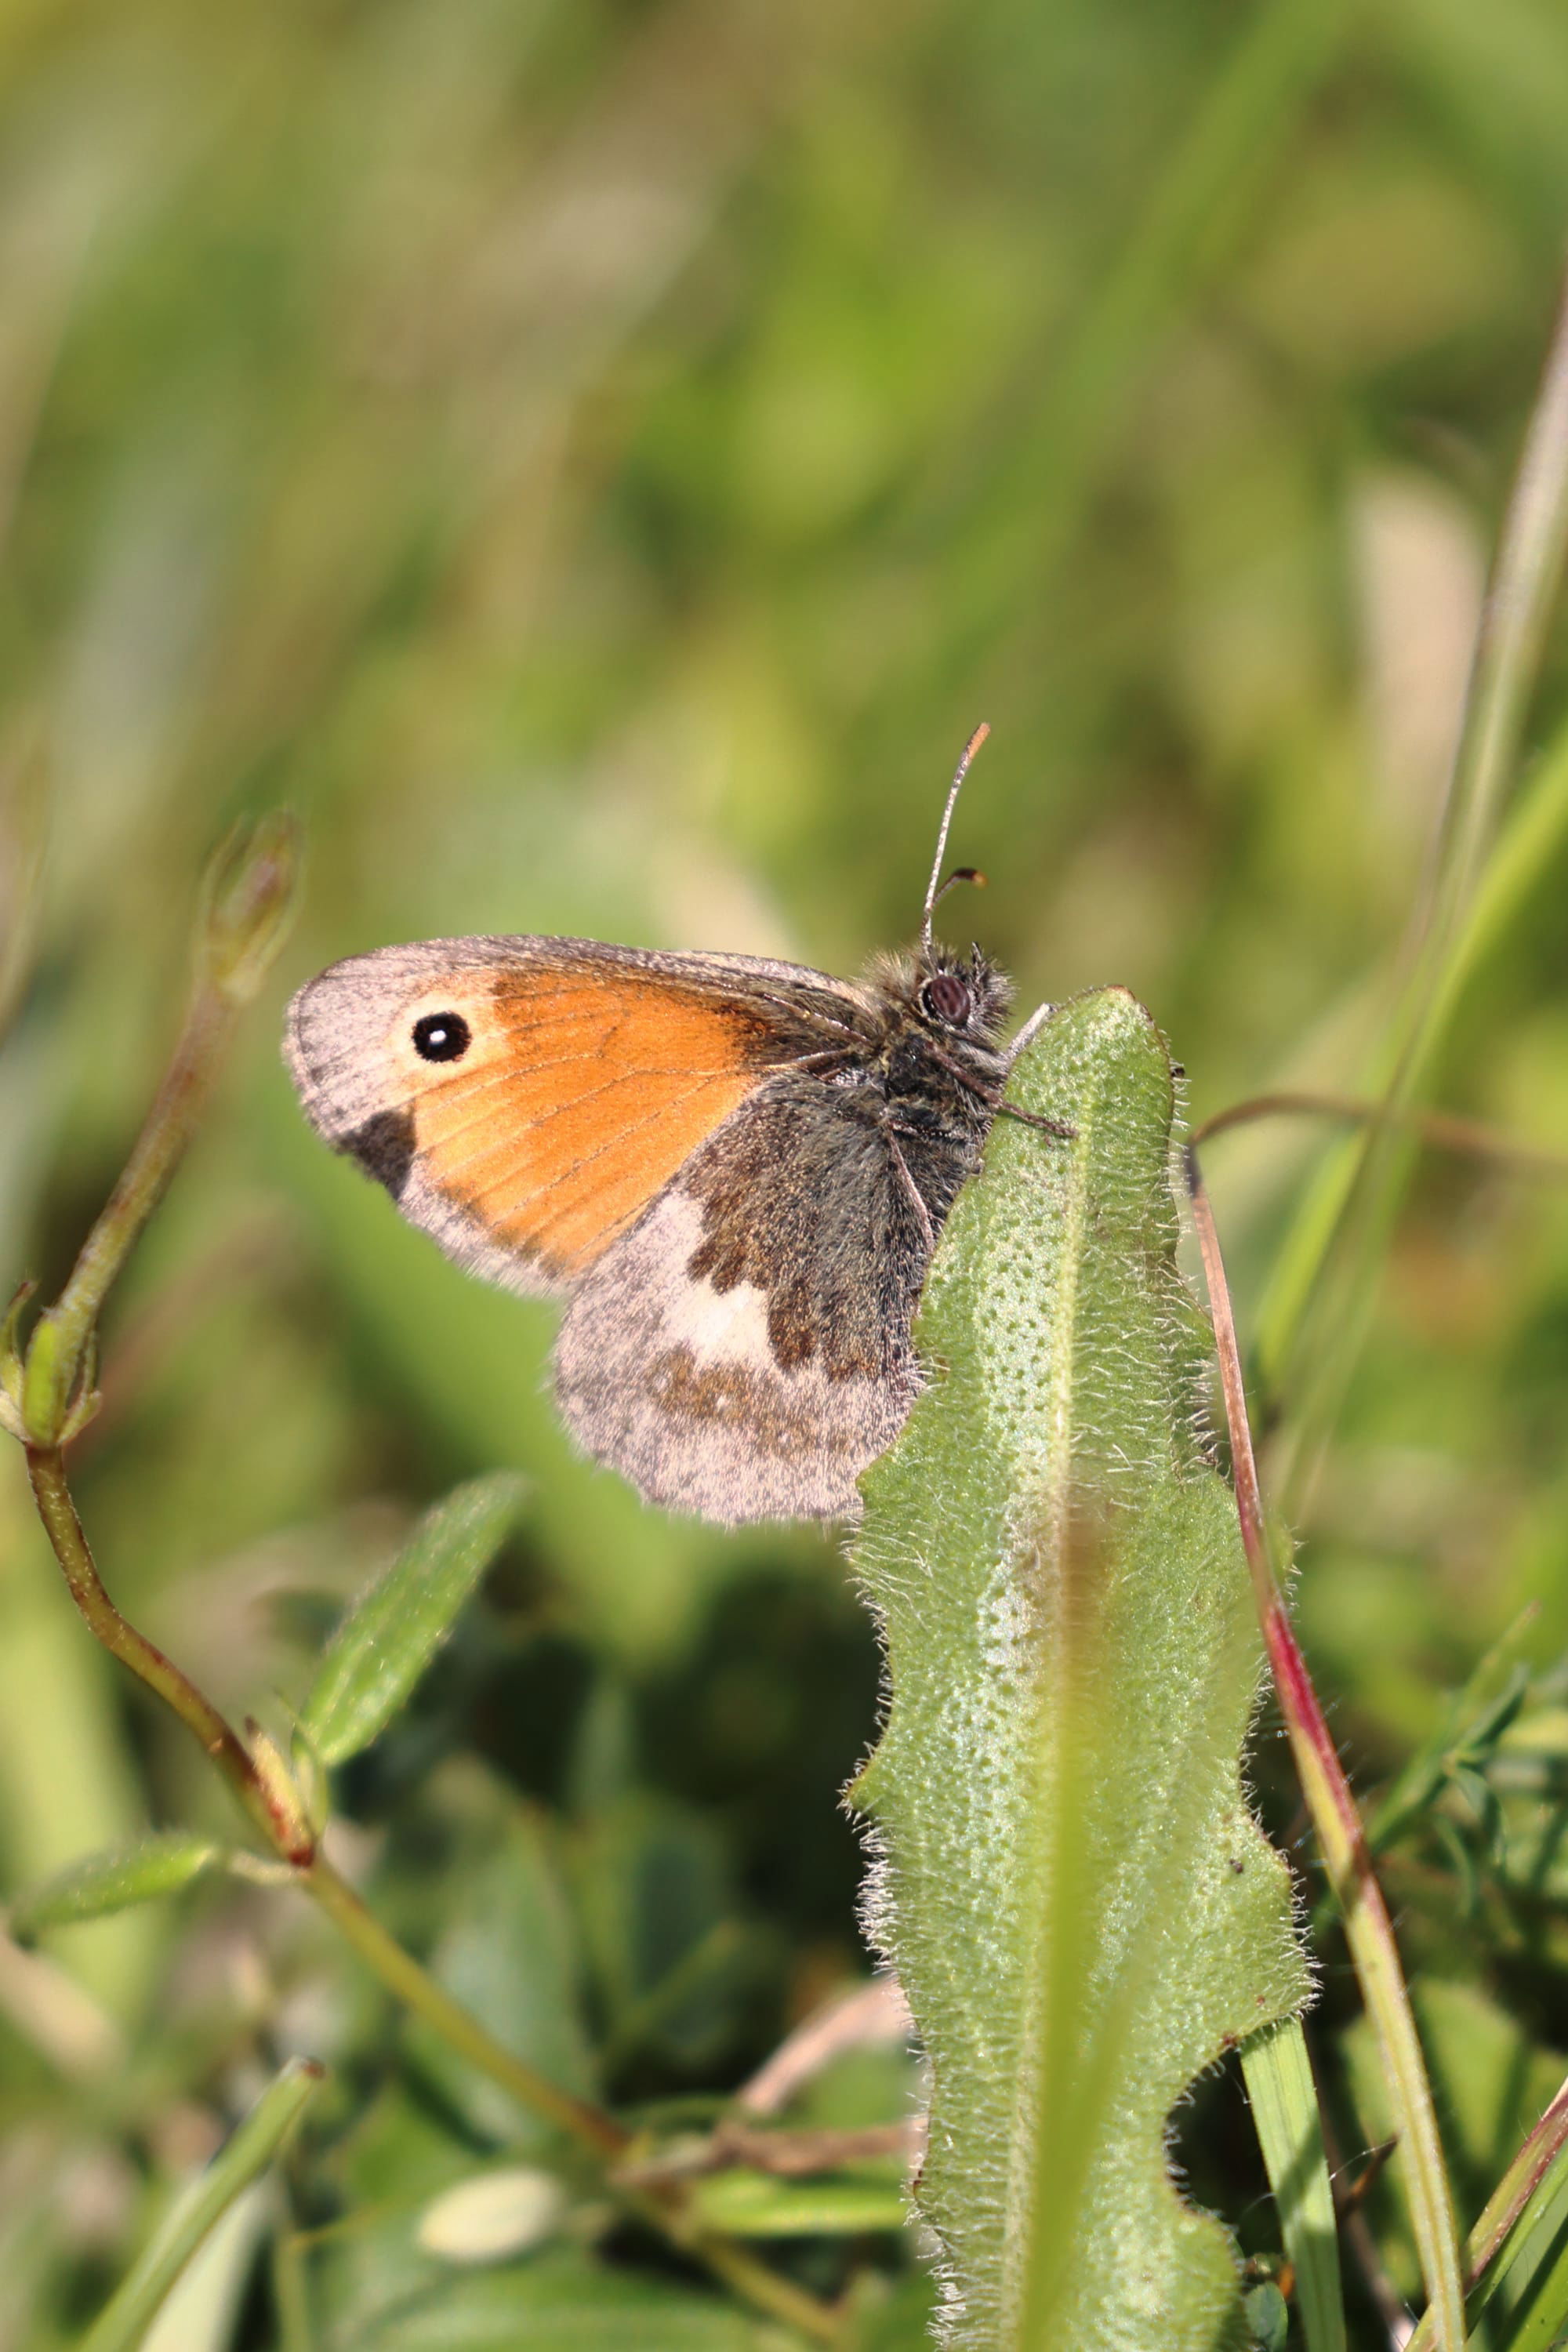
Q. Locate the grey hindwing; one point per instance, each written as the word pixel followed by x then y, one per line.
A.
pixel 744 1352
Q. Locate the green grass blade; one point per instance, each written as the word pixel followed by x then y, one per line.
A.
pixel 1522 2304
pixel 1369 1930
pixel 1196 207
pixel 1520 2233
pixel 1315 1320
pixel 1470 1723
pixel 394 1630
pixel 1289 2133
pixel 121 2327
pixel 1079 1906
pixel 1531 838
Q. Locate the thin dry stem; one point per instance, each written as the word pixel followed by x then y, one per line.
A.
pixel 1469 1138
pixel 869 2017
pixel 1352 2221
pixel 785 2154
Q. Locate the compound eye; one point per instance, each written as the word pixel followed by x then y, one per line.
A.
pixel 947 999
pixel 442 1037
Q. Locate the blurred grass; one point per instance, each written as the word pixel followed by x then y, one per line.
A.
pixel 597 464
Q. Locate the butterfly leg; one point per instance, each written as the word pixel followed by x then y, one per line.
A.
pixel 1060 1127
pixel 916 1197
pixel 1028 1033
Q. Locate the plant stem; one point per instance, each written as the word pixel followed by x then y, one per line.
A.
pixel 1507 2202
pixel 131 2311
pixel 56 1508
pixel 759 2285
pixel 418 1991
pixel 397 1969
pixel 248 899
pixel 65 1331
pixel 1517 2185
pixel 282 1824
pixel 290 2295
pixel 1342 1840
pixel 1466 1136
pixel 591 2127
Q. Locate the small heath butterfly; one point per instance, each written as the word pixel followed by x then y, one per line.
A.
pixel 735 1169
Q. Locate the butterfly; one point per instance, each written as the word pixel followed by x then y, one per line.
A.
pixel 736 1170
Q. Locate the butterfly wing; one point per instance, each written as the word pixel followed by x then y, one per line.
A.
pixel 584 1078
pixel 744 1350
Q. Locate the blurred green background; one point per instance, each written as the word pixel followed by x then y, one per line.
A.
pixel 596 462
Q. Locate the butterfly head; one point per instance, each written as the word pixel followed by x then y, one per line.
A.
pixel 955 1000
pixel 961 997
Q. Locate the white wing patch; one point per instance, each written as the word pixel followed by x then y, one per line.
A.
pixel 677 1385
pixel 718 1326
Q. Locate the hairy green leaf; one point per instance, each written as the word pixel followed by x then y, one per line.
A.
pixel 1077 1901
pixel 394 1630
pixel 114 1880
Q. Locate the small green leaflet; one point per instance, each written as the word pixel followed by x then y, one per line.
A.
pixel 747 2204
pixel 394 1630
pixel 112 1881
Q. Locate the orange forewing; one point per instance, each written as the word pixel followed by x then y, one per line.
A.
pixel 584 1092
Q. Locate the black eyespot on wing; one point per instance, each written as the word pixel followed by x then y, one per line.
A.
pixel 442 1037
pixel 383 1148
pixel 947 999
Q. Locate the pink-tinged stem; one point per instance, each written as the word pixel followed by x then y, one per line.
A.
pixel 1369 1931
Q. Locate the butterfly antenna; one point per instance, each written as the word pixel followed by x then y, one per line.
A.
pixel 934 891
pixel 960 874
